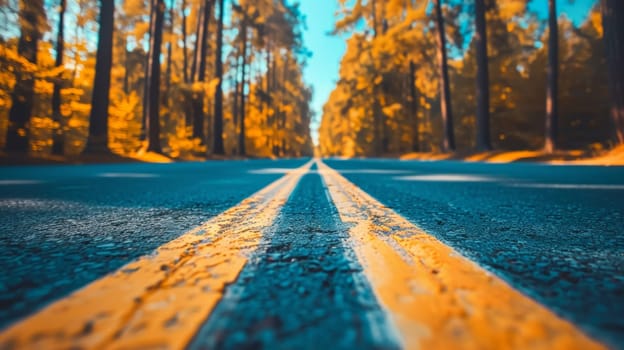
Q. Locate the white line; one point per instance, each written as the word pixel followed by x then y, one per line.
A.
pixel 568 186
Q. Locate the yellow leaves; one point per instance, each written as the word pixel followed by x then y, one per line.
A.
pixel 595 19
pixel 125 108
pixel 77 123
pixel 287 108
pixel 356 113
pixel 362 84
pixel 72 93
pixel 509 9
pixel 207 88
pixel 79 107
pixel 4 103
pixel 53 72
pixel 140 30
pixel 133 7
pixel 43 87
pixel 11 55
pixel 392 109
pixel 41 122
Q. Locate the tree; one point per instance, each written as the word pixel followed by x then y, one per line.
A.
pixel 448 140
pixel 184 43
pixel 199 69
pixel 97 139
pixel 265 109
pixel 31 17
pixel 613 27
pixel 170 43
pixel 152 112
pixel 218 147
pixel 552 110
pixel 483 81
pixel 241 134
pixel 58 143
pixel 413 104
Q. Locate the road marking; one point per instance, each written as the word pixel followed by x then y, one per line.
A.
pixel 264 171
pixel 568 186
pixel 128 175
pixel 436 297
pixel 37 204
pixel 445 178
pixel 376 171
pixel 19 182
pixel 161 300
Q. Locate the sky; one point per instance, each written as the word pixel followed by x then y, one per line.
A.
pixel 322 69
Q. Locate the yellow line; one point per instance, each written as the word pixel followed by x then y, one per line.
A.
pixel 158 301
pixel 437 298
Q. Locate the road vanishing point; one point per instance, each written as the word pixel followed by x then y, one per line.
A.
pixel 312 254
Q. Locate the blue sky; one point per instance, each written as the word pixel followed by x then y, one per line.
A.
pixel 327 50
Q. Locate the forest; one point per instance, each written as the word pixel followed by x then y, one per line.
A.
pixel 466 76
pixel 190 79
pixel 182 78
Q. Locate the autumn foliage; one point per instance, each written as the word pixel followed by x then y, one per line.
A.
pixel 260 38
pixel 387 99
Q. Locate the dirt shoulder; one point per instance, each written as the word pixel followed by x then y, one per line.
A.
pixel 139 157
pixel 45 159
pixel 614 157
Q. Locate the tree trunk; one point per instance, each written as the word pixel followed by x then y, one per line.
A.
pixel 170 49
pixel 198 39
pixel 414 107
pixel 126 79
pixel 146 73
pixel 276 97
pixel 241 134
pixel 385 140
pixel 58 144
pixel 199 74
pixel 97 140
pixel 374 15
pixel 185 66
pixel 483 80
pixel 284 101
pixel 152 115
pixel 168 74
pixel 377 112
pixel 613 25
pixel 57 138
pixel 31 14
pixel 235 95
pixel 267 82
pixel 448 141
pixel 184 48
pixel 218 147
pixel 550 141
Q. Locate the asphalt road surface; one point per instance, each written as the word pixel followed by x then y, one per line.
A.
pixel 62 227
pixel 555 233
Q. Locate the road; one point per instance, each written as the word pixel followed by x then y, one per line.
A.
pixel 553 233
pixel 65 226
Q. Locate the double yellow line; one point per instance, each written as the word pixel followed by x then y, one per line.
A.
pixel 160 300
pixel 434 297
pixel 437 298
